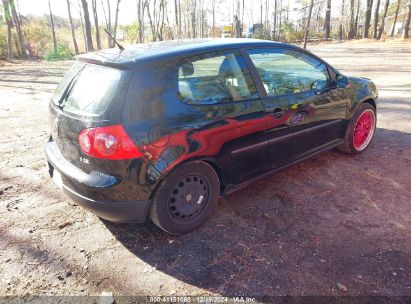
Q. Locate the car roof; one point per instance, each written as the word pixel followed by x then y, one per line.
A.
pixel 169 49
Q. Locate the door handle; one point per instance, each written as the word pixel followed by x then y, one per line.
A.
pixel 277 112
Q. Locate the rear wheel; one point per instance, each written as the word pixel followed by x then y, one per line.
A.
pixel 185 198
pixel 360 131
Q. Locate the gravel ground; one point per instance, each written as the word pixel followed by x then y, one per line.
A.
pixel 331 225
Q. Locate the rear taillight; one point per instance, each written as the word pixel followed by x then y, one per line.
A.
pixel 110 142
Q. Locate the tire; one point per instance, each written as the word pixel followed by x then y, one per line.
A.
pixel 360 130
pixel 185 198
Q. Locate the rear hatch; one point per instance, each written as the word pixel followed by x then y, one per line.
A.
pixel 90 95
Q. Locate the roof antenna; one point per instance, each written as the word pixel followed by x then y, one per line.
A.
pixel 118 44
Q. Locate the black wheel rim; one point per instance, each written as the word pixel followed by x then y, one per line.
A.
pixel 188 198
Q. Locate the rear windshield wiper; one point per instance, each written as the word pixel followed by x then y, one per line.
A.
pixel 67 92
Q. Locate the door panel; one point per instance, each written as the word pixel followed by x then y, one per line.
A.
pixel 212 112
pixel 303 109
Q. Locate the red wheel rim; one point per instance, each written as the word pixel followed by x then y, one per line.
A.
pixel 364 130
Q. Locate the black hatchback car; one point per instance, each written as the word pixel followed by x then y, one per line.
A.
pixel 164 129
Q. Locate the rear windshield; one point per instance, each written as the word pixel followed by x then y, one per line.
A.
pixel 68 77
pixel 90 89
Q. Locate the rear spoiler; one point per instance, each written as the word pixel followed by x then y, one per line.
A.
pixel 111 59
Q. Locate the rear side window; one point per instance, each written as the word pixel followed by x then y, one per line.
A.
pixel 93 90
pixel 214 78
pixel 285 71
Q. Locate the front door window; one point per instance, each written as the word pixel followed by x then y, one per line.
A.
pixel 284 71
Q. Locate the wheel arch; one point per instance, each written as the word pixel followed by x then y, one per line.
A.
pixel 371 101
pixel 368 100
pixel 210 161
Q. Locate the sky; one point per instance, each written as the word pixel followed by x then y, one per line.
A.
pixel 127 12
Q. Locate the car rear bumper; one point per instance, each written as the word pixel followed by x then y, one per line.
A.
pixel 121 212
pixel 133 211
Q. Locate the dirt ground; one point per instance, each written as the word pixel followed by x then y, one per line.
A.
pixel 331 225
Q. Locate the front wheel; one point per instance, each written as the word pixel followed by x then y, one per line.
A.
pixel 360 130
pixel 185 198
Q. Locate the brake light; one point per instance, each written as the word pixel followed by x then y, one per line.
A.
pixel 110 142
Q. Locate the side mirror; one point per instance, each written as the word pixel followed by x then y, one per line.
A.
pixel 342 81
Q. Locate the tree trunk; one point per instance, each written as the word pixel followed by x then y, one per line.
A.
pixel 87 26
pixel 356 19
pixel 327 23
pixel 275 21
pixel 307 28
pixel 152 26
pixel 352 20
pixel 193 18
pixel 405 33
pixel 73 35
pixel 116 19
pixel 82 25
pixel 140 20
pixel 168 24
pixel 176 15
pixel 9 22
pixel 17 24
pixel 213 17
pixel 94 6
pixel 395 18
pixel 160 21
pixel 261 12
pixel 367 18
pixel 376 13
pixel 109 40
pixel 242 18
pixel 18 12
pixel 341 31
pixel 179 18
pixel 381 30
pixel 53 30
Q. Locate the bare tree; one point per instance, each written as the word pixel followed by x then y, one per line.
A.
pixel 275 20
pixel 108 23
pixel 179 18
pixel 168 24
pixel 140 20
pixel 82 25
pixel 341 31
pixel 17 24
pixel 150 19
pixel 381 30
pixel 116 18
pixel 95 15
pixel 193 17
pixel 73 35
pixel 376 16
pixel 9 23
pixel 327 22
pixel 87 26
pixel 242 17
pixel 176 15
pixel 160 21
pixel 356 19
pixel 307 27
pixel 213 17
pixel 53 30
pixel 395 18
pixel 405 33
pixel 352 20
pixel 367 18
